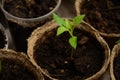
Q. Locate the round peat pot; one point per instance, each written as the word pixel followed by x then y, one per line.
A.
pixel 115 63
pixel 17 66
pixel 29 13
pixel 3 38
pixel 52 54
pixel 102 15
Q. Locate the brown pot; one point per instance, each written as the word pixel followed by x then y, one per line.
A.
pixel 79 4
pixel 114 63
pixel 16 65
pixel 99 19
pixel 40 35
pixel 3 38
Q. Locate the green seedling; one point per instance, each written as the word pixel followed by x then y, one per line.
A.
pixel 66 25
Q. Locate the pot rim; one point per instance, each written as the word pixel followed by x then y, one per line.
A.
pixel 114 53
pixel 31 19
pixel 78 4
pixel 39 32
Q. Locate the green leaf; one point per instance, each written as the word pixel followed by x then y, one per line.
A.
pixel 59 20
pixel 61 29
pixel 68 24
pixel 78 19
pixel 73 42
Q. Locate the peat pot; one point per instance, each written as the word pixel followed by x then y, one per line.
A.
pixel 3 38
pixel 103 15
pixel 52 54
pixel 17 66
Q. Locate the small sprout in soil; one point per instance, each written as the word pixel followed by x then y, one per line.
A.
pixel 66 25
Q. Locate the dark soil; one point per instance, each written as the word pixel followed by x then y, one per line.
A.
pixel 2 39
pixel 54 56
pixel 11 70
pixel 104 17
pixel 117 66
pixel 21 9
pixel 111 41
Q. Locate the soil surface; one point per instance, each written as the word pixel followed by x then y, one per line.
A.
pixel 12 70
pixel 117 66
pixel 104 16
pixel 54 56
pixel 111 41
pixel 2 40
pixel 23 9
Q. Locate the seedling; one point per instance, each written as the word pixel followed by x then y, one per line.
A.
pixel 66 25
